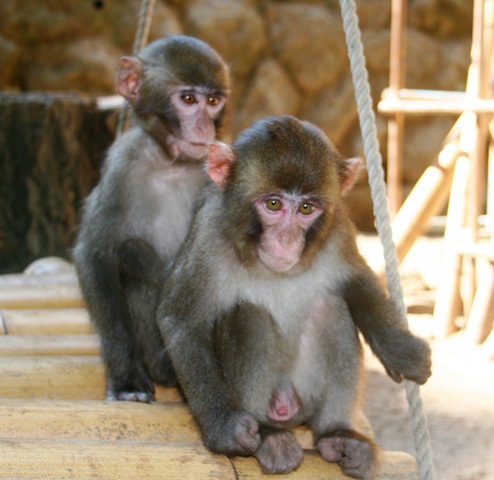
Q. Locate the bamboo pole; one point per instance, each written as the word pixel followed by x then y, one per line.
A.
pixel 77 459
pixel 97 420
pixel 396 124
pixel 34 345
pixel 63 378
pixel 393 466
pixel 101 420
pixel 46 321
pixel 23 280
pixel 448 299
pixel 394 105
pixel 426 199
pixel 43 295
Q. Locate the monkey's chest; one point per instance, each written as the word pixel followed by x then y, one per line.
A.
pixel 161 210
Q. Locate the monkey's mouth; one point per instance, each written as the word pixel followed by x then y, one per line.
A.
pixel 278 264
pixel 195 150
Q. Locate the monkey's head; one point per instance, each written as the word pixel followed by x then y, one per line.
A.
pixel 282 183
pixel 181 82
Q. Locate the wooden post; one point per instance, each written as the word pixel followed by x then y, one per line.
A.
pixel 427 198
pixel 448 299
pixel 396 124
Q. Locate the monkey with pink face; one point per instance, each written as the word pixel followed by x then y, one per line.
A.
pixel 261 310
pixel 136 218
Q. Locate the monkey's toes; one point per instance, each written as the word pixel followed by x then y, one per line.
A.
pixel 353 452
pixel 279 452
pixel 134 396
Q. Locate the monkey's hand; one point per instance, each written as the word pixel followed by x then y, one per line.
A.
pixel 232 433
pixel 404 355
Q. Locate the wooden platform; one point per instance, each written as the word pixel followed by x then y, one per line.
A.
pixel 54 423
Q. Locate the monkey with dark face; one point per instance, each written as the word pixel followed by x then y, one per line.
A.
pixel 136 218
pixel 260 309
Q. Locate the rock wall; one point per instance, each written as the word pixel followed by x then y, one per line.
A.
pixel 286 57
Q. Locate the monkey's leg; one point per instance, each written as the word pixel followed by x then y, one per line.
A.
pixel 142 274
pixel 333 423
pixel 126 376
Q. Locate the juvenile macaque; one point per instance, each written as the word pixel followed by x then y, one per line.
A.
pixel 260 309
pixel 138 215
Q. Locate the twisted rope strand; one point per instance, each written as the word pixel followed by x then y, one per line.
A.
pixel 146 13
pixel 383 223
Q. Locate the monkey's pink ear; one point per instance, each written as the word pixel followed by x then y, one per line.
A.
pixel 129 78
pixel 220 160
pixel 350 173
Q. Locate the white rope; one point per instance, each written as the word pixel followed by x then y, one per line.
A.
pixel 144 24
pixel 383 223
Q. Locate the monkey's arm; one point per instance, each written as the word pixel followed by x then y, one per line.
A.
pixel 403 354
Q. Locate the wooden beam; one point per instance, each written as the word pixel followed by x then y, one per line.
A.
pixel 32 345
pixel 69 378
pixel 46 321
pixel 43 295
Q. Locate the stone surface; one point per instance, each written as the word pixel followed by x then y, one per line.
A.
pixel 286 56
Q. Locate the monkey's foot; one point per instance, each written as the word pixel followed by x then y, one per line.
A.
pixel 134 386
pixel 233 433
pixel 279 452
pixel 135 396
pixel 352 451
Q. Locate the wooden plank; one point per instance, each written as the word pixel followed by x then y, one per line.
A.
pixel 97 420
pixel 43 295
pixel 392 106
pixel 24 280
pixel 102 420
pixel 29 345
pixel 47 321
pixel 54 377
pixel 394 466
pixel 77 459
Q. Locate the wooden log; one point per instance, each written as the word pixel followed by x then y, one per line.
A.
pixel 391 106
pixel 426 199
pixel 97 420
pixel 480 320
pixel 23 280
pixel 57 295
pixel 101 420
pixel 47 321
pixel 77 459
pixel 396 124
pixel 70 378
pixel 448 300
pixel 394 466
pixel 33 345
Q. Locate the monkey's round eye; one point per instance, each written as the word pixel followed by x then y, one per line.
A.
pixel 307 208
pixel 273 204
pixel 213 100
pixel 188 98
